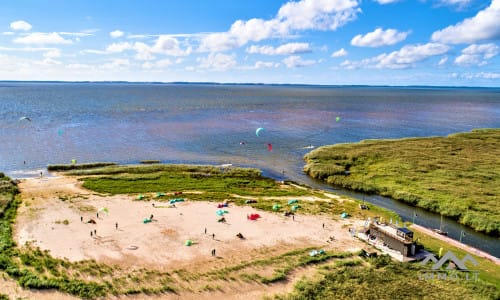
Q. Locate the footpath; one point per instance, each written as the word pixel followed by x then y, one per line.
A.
pixel 457 244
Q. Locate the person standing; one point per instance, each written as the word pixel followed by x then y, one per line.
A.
pixel 116 225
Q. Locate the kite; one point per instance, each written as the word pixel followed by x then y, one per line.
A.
pixel 258 131
pixel 25 118
pixel 337 119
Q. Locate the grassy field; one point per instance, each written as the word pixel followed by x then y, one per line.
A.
pixel 457 176
pixel 336 275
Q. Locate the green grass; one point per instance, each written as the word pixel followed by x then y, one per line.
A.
pixel 380 278
pixel 457 176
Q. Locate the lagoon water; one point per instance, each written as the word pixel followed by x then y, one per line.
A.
pixel 215 124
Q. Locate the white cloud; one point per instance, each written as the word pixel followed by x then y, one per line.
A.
pixel 265 64
pixel 379 38
pixel 168 45
pixel 296 61
pixel 404 58
pixel 292 16
pixel 52 53
pixel 143 51
pixel 408 55
pixel 480 75
pixel 459 3
pixel 483 26
pixel 117 64
pixel 286 49
pixel 217 61
pixel 92 51
pixel 443 60
pixel 8 33
pixel 41 38
pixel 118 47
pixel 339 53
pixel 386 1
pixel 116 34
pixel 20 25
pixel 161 64
pixel 477 54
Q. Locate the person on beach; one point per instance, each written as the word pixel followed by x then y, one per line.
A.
pixel 97 214
pixel 95 232
pixel 41 174
pixel 151 217
pixel 81 218
pixel 116 225
pixel 323 225
pixel 213 236
pixel 213 252
pixel 90 233
pixel 205 230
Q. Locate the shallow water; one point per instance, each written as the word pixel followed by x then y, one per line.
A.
pixel 196 123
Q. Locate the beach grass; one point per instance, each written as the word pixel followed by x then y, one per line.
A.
pixel 381 278
pixel 457 176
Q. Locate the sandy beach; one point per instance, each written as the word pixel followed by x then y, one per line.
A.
pixel 56 211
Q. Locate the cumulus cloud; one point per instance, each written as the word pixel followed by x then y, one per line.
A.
pixel 41 38
pixel 20 25
pixel 296 61
pixel 118 47
pixel 477 54
pixel 143 51
pixel 485 25
pixel 286 49
pixel 168 45
pixel 217 61
pixel 339 53
pixel 292 16
pixel 379 38
pixel 116 34
pixel 404 58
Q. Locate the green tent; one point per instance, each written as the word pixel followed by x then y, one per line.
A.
pixel 188 243
pixel 276 207
pixel 292 201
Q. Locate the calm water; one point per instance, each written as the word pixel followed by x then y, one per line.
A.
pixel 216 124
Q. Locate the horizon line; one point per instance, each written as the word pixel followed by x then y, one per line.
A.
pixel 244 83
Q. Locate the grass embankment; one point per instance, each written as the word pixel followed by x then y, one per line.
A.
pixel 381 278
pixel 457 176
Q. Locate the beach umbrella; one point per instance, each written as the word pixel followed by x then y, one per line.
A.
pixel 276 206
pixel 188 243
pixel 293 201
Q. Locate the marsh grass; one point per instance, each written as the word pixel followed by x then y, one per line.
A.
pixel 381 278
pixel 457 176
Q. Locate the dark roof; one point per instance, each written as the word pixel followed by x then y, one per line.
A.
pixel 405 230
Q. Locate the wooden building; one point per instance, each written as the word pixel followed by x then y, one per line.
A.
pixel 396 238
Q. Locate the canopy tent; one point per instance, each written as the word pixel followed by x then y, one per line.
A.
pixel 292 201
pixel 344 215
pixel 276 207
pixel 295 207
pixel 104 209
pixel 221 212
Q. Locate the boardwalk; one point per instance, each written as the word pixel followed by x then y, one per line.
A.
pixel 456 243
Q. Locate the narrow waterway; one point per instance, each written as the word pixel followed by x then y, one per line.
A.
pixel 421 217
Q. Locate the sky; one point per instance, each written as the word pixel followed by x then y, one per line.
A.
pixel 327 42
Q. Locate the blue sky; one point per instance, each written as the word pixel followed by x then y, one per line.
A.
pixel 334 42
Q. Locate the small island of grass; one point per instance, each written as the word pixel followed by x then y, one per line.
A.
pixel 457 176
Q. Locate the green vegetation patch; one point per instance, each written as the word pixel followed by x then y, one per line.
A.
pixel 457 176
pixel 381 278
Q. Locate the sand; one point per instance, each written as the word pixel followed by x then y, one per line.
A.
pixel 53 207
